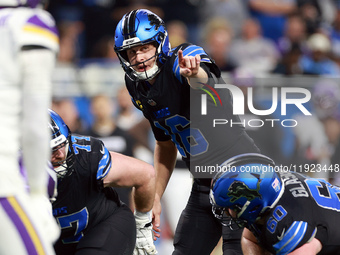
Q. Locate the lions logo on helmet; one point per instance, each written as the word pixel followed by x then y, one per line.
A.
pixel 140 27
pixel 249 190
pixel 239 189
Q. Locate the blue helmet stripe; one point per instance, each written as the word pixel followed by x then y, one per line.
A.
pixel 192 50
pixel 104 165
pixel 292 238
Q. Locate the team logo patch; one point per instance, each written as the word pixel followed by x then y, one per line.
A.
pixel 139 103
pixel 238 189
pixel 155 21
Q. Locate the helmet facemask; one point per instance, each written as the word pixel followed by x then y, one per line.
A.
pixel 61 139
pixel 137 28
pixel 64 167
pixel 135 75
pixel 223 216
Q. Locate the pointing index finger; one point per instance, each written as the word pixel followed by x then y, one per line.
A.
pixel 198 59
pixel 180 55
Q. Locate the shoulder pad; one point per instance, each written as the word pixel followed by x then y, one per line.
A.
pixel 40 29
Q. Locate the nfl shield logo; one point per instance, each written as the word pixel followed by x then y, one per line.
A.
pixel 276 185
pixel 151 102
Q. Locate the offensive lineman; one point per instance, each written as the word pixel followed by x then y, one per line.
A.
pixel 161 82
pixel 282 212
pixel 28 47
pixel 88 210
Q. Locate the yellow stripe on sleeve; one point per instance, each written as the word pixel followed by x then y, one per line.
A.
pixel 28 225
pixel 41 31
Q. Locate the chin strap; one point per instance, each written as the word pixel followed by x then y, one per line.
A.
pixel 149 74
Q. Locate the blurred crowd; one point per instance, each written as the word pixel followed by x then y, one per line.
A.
pixel 265 36
pixel 247 39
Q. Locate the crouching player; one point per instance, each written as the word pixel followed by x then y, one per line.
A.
pixel 88 210
pixel 282 212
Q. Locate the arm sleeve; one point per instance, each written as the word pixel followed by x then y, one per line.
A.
pixel 296 235
pixel 36 66
pixel 104 163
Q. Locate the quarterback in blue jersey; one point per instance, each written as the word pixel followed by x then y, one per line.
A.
pixel 282 212
pixel 92 218
pixel 161 81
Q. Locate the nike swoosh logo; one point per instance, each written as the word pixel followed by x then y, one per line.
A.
pixel 280 237
pixel 102 151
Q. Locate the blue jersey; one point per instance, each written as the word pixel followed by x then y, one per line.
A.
pixel 173 109
pixel 82 201
pixel 308 208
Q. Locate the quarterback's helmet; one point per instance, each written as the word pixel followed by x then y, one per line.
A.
pixel 140 27
pixel 28 3
pixel 61 138
pixel 248 185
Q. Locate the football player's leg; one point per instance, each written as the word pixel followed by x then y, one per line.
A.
pixel 177 193
pixel 197 232
pixel 232 241
pixel 115 235
pixel 20 233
